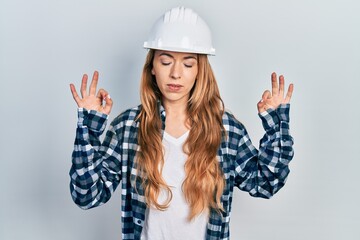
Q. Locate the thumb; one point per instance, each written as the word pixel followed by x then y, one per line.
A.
pixel 261 106
pixel 262 103
pixel 104 96
pixel 108 104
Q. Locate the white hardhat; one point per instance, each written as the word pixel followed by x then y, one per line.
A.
pixel 181 30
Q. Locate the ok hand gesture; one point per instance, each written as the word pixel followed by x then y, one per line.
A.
pixel 276 97
pixel 89 100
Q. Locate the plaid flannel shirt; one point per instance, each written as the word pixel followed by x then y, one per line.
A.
pixel 98 168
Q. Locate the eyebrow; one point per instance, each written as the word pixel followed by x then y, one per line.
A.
pixel 171 56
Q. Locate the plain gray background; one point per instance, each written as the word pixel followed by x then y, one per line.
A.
pixel 45 45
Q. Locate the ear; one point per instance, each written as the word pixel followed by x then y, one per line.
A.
pixel 153 71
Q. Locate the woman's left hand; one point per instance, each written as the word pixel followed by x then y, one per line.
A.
pixel 276 97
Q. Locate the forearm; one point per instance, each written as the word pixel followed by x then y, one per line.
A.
pixel 91 180
pixel 265 171
pixel 276 147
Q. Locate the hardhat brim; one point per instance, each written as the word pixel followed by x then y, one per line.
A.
pixel 184 50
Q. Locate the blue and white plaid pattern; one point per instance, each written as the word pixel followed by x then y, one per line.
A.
pixel 98 168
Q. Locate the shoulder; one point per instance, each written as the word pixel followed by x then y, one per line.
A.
pixel 230 121
pixel 235 134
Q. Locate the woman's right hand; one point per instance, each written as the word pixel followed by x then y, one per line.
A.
pixel 90 100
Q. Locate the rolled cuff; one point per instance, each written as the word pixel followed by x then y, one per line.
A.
pixel 95 121
pixel 271 117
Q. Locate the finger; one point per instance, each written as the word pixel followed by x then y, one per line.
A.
pixel 274 84
pixel 94 82
pixel 108 104
pixel 83 85
pixel 266 95
pixel 104 96
pixel 75 95
pixel 282 82
pixel 262 106
pixel 289 93
pixel 102 93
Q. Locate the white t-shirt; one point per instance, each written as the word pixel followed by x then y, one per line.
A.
pixel 172 224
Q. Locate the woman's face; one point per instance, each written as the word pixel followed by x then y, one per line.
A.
pixel 175 75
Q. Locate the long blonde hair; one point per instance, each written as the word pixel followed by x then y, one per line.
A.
pixel 204 181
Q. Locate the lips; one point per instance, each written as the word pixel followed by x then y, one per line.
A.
pixel 174 87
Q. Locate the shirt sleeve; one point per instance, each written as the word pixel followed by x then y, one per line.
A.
pixel 96 167
pixel 263 172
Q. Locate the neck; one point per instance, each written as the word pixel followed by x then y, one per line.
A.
pixel 176 123
pixel 175 109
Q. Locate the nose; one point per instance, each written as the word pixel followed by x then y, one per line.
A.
pixel 176 71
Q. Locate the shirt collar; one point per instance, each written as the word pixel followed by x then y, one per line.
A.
pixel 161 111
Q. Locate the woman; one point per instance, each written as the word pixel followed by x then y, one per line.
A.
pixel 179 154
